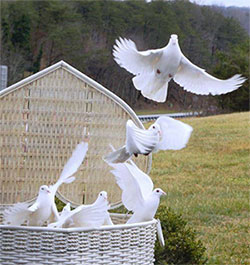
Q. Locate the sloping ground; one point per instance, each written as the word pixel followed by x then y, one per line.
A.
pixel 208 182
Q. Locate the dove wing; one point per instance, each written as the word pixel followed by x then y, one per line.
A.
pixel 174 134
pixel 135 184
pixel 71 166
pixel 127 56
pixel 16 214
pixel 90 215
pixel 196 80
pixel 139 141
pixel 34 206
pixel 145 182
pixel 65 216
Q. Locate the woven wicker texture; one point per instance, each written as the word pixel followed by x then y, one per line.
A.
pixel 122 245
pixel 43 120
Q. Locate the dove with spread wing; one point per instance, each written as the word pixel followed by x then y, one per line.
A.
pixel 64 219
pixel 44 208
pixel 92 215
pixel 165 134
pixel 138 195
pixel 153 69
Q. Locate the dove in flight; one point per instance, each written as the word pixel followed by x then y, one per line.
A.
pixel 92 215
pixel 44 208
pixel 165 134
pixel 153 69
pixel 138 195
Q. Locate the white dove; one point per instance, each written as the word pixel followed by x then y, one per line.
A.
pixel 165 134
pixel 92 215
pixel 137 191
pixel 64 219
pixel 44 207
pixel 37 214
pixel 153 69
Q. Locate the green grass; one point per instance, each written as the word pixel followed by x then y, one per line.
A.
pixel 208 183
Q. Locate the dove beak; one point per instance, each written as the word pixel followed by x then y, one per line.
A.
pixel 164 193
pixel 48 191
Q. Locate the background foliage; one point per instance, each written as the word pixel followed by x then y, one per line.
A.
pixel 181 243
pixel 36 34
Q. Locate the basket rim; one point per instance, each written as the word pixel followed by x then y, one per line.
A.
pixel 80 229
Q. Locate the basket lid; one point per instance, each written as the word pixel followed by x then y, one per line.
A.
pixel 43 118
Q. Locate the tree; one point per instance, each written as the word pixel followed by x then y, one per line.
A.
pixel 36 34
pixel 233 63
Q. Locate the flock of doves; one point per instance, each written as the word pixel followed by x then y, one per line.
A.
pixel 153 69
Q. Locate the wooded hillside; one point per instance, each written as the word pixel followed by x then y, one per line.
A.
pixel 36 34
pixel 242 14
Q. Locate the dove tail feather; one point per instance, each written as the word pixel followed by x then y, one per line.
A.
pixel 16 214
pixel 151 87
pixel 118 156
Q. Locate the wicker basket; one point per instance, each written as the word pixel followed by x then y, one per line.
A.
pixel 43 118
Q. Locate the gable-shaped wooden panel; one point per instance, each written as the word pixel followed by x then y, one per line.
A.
pixel 43 118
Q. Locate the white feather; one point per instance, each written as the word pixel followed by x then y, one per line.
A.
pixel 44 208
pixel 174 134
pixel 34 206
pixel 160 233
pixel 92 215
pixel 132 194
pixel 117 156
pixel 196 80
pixel 137 191
pixel 139 141
pixel 127 56
pixel 151 86
pixel 71 166
pixel 16 214
pixel 65 219
pixel 165 134
pixel 153 69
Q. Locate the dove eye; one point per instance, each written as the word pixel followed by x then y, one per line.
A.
pixel 100 194
pixel 157 191
pixel 153 127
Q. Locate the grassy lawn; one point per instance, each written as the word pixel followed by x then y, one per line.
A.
pixel 208 183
